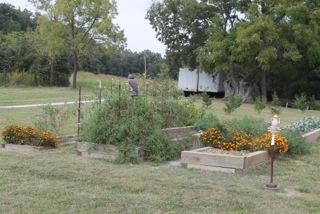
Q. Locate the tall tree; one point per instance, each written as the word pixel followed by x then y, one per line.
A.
pixel 85 20
pixel 12 20
pixel 182 26
pixel 51 41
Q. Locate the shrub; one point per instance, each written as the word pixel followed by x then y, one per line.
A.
pixel 313 103
pixel 251 125
pixel 207 121
pixel 232 103
pixel 260 104
pixel 275 105
pixel 131 123
pixel 18 78
pixel 300 102
pixel 175 113
pixel 307 124
pixel 17 134
pixel 206 99
pixel 297 144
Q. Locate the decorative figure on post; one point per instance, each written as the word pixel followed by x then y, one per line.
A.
pixel 273 129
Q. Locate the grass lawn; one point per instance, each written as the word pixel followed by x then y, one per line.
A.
pixel 287 115
pixel 29 95
pixel 60 181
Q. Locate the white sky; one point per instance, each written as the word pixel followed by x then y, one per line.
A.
pixel 139 33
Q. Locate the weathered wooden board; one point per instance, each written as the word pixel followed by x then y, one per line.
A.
pixel 230 163
pixel 312 137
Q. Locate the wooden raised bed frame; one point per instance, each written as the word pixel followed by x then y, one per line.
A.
pixel 231 163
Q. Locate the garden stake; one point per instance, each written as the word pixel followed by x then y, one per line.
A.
pixel 273 129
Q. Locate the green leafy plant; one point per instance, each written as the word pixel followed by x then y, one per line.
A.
pixel 53 118
pixel 232 103
pixel 301 102
pixel 260 104
pixel 307 124
pixel 255 127
pixel 131 124
pixel 275 105
pixel 297 144
pixel 206 99
pixel 313 103
pixel 207 121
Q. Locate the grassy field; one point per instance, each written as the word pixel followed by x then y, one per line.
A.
pixel 60 181
pixel 287 115
pixel 90 83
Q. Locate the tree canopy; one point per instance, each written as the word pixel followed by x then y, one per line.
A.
pixel 274 44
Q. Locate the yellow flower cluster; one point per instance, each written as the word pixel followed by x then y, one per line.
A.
pixel 17 134
pixel 240 140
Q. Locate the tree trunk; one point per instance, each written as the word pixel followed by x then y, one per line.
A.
pixel 75 69
pixel 264 83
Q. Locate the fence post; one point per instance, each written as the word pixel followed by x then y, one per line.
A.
pixel 119 99
pixel 79 111
pixel 100 92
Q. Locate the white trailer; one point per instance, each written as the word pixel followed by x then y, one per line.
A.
pixel 197 81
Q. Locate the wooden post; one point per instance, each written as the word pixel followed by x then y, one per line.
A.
pixel 100 92
pixel 119 100
pixel 79 111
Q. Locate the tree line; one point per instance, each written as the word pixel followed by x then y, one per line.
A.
pixel 66 36
pixel 271 44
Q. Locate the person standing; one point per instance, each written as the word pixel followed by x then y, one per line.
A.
pixel 133 84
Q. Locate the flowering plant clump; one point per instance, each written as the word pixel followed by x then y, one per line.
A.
pixel 242 140
pixel 263 142
pixel 17 134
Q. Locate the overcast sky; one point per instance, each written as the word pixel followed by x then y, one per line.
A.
pixel 140 35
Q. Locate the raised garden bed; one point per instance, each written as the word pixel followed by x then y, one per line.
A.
pixel 22 149
pixel 25 149
pixel 211 159
pixel 104 151
pixel 313 136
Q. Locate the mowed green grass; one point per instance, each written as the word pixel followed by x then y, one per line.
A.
pixel 287 115
pixel 61 181
pixel 90 83
pixel 29 95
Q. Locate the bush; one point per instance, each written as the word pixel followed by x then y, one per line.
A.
pixel 313 103
pixel 260 104
pixel 176 113
pixel 297 144
pixel 233 103
pixel 206 99
pixel 207 121
pixel 251 125
pixel 301 102
pixel 18 78
pixel 307 124
pixel 132 123
pixel 275 105
pixel 17 134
